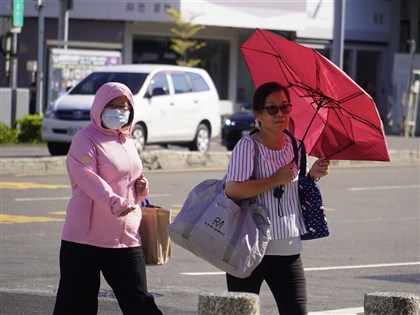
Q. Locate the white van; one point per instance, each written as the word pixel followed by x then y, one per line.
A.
pixel 174 105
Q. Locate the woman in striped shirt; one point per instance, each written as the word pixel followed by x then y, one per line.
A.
pixel 275 186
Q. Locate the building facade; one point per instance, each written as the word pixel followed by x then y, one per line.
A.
pixel 374 31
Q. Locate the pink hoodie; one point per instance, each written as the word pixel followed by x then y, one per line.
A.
pixel 103 167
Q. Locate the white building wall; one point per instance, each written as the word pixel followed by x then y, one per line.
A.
pixel 319 20
pixel 369 20
pixel 314 19
pixel 276 15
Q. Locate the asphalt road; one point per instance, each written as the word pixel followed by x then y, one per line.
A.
pixel 374 244
pixel 40 150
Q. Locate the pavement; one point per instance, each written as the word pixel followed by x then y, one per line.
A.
pixel 35 159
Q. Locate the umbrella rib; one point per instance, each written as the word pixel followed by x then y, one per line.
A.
pixel 309 126
pixel 358 118
pixel 351 96
pixel 324 101
pixel 318 98
pixel 354 116
pixel 260 51
pixel 278 58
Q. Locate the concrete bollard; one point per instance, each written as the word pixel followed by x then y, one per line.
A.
pixel 228 303
pixel 391 303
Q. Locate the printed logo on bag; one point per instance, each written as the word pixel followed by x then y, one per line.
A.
pixel 216 225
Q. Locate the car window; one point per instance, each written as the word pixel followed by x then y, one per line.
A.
pixel 90 84
pixel 181 83
pixel 198 82
pixel 158 81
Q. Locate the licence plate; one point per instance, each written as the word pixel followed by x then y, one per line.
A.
pixel 72 130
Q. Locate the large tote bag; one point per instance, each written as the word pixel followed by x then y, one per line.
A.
pixel 154 234
pixel 230 236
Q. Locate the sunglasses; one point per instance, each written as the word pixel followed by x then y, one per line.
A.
pixel 273 109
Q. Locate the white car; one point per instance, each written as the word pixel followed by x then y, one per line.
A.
pixel 174 105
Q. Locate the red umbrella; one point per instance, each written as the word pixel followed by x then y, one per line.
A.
pixel 334 117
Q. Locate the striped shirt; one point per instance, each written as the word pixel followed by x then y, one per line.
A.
pixel 285 214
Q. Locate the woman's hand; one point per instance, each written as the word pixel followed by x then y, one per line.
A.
pixel 284 175
pixel 140 185
pixel 127 211
pixel 320 168
pixel 253 187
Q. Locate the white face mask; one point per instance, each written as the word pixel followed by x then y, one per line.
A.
pixel 114 118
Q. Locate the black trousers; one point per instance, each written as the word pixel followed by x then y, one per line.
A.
pixel 285 278
pixel 123 268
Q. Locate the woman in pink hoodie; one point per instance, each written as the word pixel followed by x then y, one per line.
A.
pixel 101 231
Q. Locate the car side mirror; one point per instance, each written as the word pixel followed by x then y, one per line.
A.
pixel 158 91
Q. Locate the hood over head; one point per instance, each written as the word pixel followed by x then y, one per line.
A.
pixel 103 96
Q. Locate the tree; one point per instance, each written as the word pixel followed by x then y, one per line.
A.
pixel 183 44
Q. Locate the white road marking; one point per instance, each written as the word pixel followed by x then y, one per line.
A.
pixel 67 198
pixel 364 266
pixel 42 199
pixel 214 273
pixel 384 187
pixel 344 311
pixel 318 268
pixel 159 195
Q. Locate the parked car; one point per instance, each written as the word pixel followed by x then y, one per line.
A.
pixel 174 105
pixel 237 126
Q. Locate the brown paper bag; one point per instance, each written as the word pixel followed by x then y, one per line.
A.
pixel 154 234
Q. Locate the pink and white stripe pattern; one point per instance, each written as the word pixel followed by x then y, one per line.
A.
pixel 285 214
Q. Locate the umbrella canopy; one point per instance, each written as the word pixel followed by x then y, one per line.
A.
pixel 335 118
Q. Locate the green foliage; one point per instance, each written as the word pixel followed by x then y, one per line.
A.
pixel 183 45
pixel 30 129
pixel 8 135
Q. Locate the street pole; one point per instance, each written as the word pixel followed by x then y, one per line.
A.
pixel 16 27
pixel 13 78
pixel 40 62
pixel 63 22
pixel 338 33
pixel 409 118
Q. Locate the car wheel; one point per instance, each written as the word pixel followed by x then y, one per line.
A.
pixel 58 148
pixel 201 141
pixel 139 137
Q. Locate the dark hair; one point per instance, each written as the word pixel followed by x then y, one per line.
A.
pixel 263 91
